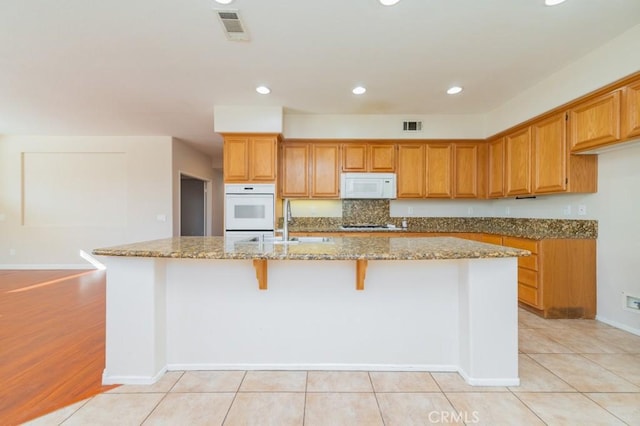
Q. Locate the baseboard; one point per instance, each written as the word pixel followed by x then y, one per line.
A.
pixel 131 380
pixel 489 381
pixel 35 266
pixel 314 367
pixel 619 325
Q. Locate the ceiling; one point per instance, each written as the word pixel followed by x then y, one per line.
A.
pixel 158 67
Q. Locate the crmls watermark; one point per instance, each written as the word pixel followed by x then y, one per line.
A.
pixel 454 417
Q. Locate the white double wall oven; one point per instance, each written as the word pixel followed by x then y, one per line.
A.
pixel 249 210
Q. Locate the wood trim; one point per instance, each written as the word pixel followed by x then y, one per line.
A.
pixel 361 272
pixel 260 266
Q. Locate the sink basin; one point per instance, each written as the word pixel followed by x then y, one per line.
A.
pixel 312 239
pixel 294 240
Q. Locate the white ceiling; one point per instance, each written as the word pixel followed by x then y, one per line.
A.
pixel 158 67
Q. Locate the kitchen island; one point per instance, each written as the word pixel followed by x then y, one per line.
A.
pixel 403 304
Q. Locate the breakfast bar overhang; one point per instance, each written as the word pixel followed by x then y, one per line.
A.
pixel 387 304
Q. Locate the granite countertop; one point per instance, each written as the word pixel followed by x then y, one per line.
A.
pixel 536 229
pixel 375 248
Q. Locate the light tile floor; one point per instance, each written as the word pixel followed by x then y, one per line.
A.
pixel 573 372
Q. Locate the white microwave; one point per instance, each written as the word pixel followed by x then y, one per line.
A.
pixel 368 185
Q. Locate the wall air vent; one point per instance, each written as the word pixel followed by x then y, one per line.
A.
pixel 234 29
pixel 412 126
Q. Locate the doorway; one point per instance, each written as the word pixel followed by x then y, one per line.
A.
pixel 193 206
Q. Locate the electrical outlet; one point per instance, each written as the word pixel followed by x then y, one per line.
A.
pixel 582 210
pixel 470 211
pixel 507 211
pixel 631 303
pixel 566 210
pixel 410 211
pixel 161 217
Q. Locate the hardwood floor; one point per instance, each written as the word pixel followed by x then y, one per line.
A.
pixel 52 337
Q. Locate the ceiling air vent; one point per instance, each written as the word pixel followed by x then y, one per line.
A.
pixel 233 27
pixel 412 126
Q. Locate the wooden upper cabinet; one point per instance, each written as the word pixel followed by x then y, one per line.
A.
pixel 411 171
pixel 550 154
pixel 382 157
pixel 595 122
pixel 236 158
pixel 250 158
pixel 368 157
pixel 518 162
pixel 294 176
pixel 262 156
pixel 325 170
pixel 439 159
pixel 465 171
pixel 496 168
pixel 631 111
pixel 354 157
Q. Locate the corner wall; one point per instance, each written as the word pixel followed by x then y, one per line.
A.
pixel 188 161
pixel 60 195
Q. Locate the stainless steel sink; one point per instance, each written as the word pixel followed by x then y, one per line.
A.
pixel 293 240
pixel 312 239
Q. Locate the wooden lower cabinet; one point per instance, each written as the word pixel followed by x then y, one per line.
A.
pixel 558 280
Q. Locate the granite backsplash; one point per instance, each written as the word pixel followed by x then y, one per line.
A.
pixel 359 212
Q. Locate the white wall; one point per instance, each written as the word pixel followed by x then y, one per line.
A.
pixel 609 63
pixel 193 163
pixel 358 126
pixel 47 239
pixel 247 119
pixel 617 208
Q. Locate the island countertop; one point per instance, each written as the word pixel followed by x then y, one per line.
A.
pixel 344 248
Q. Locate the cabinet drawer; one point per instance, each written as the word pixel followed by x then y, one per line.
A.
pixel 528 277
pixel 528 295
pixel 492 239
pixel 529 262
pixel 521 243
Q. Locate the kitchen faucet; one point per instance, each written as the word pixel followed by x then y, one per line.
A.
pixel 286 219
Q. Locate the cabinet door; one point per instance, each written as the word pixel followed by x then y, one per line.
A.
pixel 550 155
pixel 496 168
pixel 631 111
pixel 595 122
pixel 325 168
pixel 465 181
pixel 354 157
pixel 295 171
pixel 262 158
pixel 236 159
pixel 382 158
pixel 518 162
pixel 439 165
pixel 411 165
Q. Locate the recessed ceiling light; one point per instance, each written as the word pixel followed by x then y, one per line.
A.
pixel 359 90
pixel 453 90
pixel 388 2
pixel 224 1
pixel 263 90
pixel 553 2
